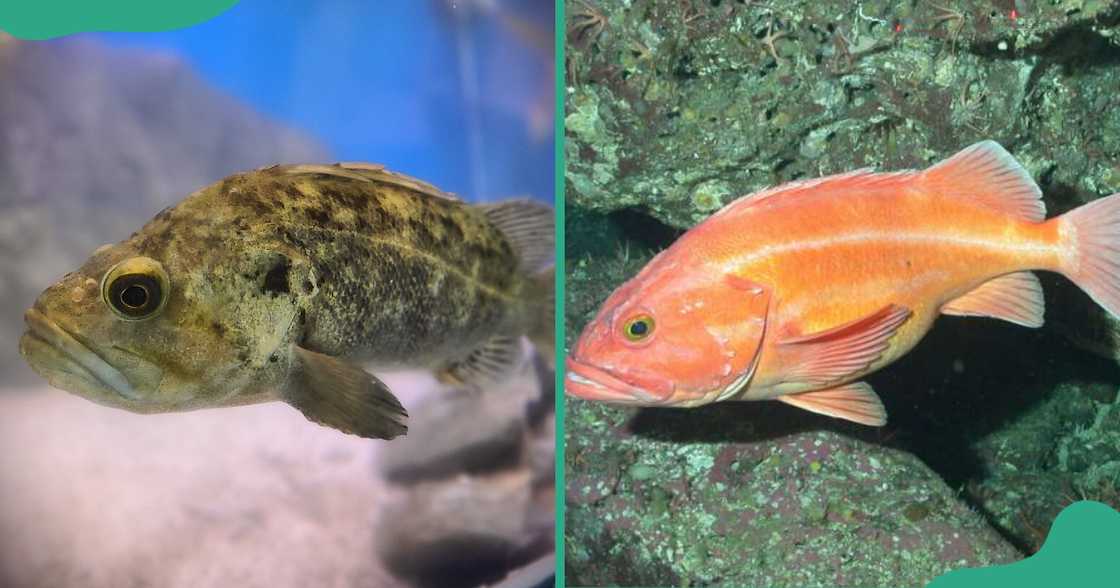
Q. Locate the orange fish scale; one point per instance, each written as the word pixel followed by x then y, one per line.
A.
pixel 871 244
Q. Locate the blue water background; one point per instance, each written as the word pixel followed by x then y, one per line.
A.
pixel 457 93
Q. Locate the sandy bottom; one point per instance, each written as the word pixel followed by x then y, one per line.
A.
pixel 252 496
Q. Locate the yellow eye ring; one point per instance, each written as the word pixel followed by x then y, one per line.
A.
pixel 638 327
pixel 136 288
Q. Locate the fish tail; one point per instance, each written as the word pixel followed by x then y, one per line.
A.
pixel 542 320
pixel 1091 250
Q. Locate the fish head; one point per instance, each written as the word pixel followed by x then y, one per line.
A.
pixel 677 335
pixel 155 330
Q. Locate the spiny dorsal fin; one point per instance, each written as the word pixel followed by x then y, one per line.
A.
pixel 856 402
pixel 488 364
pixel 986 173
pixel 1013 297
pixel 364 172
pixel 827 356
pixel 864 177
pixel 530 227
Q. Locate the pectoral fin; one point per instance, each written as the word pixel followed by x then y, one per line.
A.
pixel 825 357
pixel 488 364
pixel 337 394
pixel 1016 298
pixel 855 402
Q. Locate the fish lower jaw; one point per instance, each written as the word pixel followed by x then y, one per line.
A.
pixel 69 364
pixel 59 370
pixel 580 386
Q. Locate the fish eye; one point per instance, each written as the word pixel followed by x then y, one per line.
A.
pixel 136 288
pixel 638 327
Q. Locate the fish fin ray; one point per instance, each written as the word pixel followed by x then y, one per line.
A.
pixel 1015 298
pixel 529 225
pixel 490 363
pixel 827 356
pixel 856 402
pixel 1091 239
pixel 341 395
pixel 987 174
pixel 863 177
pixel 363 172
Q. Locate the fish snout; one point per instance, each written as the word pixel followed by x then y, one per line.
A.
pixel 37 322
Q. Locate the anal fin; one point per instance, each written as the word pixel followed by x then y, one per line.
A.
pixel 1016 298
pixel 855 402
pixel 341 395
pixel 488 364
pixel 825 357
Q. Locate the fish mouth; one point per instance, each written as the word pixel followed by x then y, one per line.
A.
pixel 589 382
pixel 65 361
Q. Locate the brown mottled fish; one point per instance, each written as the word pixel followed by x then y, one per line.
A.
pixel 273 284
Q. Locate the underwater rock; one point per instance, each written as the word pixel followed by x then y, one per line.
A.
pixel 96 140
pixel 667 99
pixel 1063 449
pixel 466 531
pixel 470 488
pixel 463 431
pixel 478 432
pixel 673 497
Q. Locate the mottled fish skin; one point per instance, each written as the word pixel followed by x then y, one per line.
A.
pixel 397 275
pixel 350 261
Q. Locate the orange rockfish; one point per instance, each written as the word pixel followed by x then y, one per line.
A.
pixel 797 292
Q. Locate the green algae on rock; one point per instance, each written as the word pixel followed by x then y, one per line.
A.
pixel 664 97
pixel 649 507
pixel 675 108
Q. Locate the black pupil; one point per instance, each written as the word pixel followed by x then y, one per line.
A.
pixel 134 296
pixel 639 328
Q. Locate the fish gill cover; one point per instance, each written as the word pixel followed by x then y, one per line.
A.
pixel 674 109
pixel 47 19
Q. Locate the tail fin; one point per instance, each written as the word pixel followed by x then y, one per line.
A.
pixel 542 324
pixel 1091 238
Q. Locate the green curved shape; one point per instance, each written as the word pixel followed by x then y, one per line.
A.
pixel 36 20
pixel 1081 550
